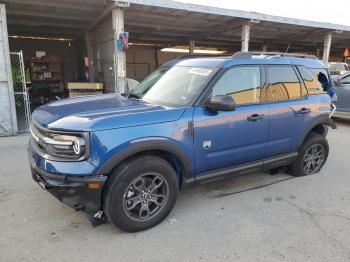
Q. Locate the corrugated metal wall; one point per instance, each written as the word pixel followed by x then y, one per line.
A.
pixel 8 122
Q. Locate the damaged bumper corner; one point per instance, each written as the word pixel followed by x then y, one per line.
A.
pixel 71 190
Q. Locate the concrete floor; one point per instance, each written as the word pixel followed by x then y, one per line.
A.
pixel 300 219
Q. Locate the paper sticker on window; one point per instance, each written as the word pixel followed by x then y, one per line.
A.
pixel 200 71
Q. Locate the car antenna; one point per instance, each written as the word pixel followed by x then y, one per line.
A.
pixel 288 48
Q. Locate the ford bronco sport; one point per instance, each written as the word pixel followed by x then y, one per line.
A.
pixel 125 158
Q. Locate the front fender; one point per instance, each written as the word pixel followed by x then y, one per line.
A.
pixel 148 144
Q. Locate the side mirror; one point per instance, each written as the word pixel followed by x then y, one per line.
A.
pixel 220 103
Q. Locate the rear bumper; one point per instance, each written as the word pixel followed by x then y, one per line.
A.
pixel 71 190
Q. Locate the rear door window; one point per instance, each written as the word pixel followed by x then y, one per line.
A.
pixel 283 84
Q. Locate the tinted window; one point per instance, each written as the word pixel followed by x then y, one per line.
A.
pixel 283 84
pixel 311 81
pixel 241 83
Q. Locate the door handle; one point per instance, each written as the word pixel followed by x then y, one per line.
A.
pixel 304 111
pixel 255 117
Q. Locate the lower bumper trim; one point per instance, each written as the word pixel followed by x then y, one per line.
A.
pixel 72 191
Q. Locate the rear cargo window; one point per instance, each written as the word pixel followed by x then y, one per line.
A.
pixel 311 80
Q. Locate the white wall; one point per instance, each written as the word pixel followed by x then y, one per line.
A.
pixel 8 121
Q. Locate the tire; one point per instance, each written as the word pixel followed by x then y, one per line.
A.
pixel 315 145
pixel 140 193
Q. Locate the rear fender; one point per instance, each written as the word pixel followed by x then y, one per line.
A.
pixel 322 120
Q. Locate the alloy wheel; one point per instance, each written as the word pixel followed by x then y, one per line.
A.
pixel 145 197
pixel 313 159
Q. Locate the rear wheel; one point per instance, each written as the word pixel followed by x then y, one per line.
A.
pixel 312 156
pixel 141 193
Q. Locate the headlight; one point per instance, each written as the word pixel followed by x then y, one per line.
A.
pixel 65 146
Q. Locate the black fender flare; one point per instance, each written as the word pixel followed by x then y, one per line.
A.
pixel 150 145
pixel 323 120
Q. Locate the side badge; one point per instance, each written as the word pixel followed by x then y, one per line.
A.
pixel 207 144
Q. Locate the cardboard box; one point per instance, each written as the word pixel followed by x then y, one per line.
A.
pixel 85 86
pixel 84 89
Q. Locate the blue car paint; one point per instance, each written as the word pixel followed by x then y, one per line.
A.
pixel 116 123
pixel 100 113
pixel 113 141
pixel 234 139
pixel 287 126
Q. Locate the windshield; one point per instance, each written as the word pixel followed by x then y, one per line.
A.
pixel 337 68
pixel 179 86
pixel 141 89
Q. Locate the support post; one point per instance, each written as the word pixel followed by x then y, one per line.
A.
pixel 327 47
pixel 264 48
pixel 245 37
pixel 119 60
pixel 191 47
pixel 90 55
pixel 318 53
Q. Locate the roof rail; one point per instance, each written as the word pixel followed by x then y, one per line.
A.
pixel 201 56
pixel 249 55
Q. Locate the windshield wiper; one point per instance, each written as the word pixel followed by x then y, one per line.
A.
pixel 135 97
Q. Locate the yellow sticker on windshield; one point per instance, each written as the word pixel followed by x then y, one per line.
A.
pixel 200 71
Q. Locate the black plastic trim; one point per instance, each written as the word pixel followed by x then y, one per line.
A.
pixel 70 190
pixel 140 147
pixel 321 120
pixel 268 163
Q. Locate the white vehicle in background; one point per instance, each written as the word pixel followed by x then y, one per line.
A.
pixel 336 69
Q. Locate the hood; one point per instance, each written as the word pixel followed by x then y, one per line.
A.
pixel 93 113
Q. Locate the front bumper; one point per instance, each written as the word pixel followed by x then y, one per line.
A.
pixel 71 190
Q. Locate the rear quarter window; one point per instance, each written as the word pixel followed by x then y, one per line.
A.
pixel 312 79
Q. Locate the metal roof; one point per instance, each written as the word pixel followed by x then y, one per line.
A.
pixel 236 13
pixel 165 22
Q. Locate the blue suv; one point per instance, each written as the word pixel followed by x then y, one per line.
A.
pixel 125 158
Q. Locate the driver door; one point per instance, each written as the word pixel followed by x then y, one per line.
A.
pixel 226 139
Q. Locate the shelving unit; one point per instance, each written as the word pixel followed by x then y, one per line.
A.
pixel 46 79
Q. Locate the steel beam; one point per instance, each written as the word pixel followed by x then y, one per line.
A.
pixel 59 4
pixel 35 23
pixel 158 27
pixel 51 15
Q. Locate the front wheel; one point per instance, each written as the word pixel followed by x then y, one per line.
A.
pixel 141 193
pixel 312 156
